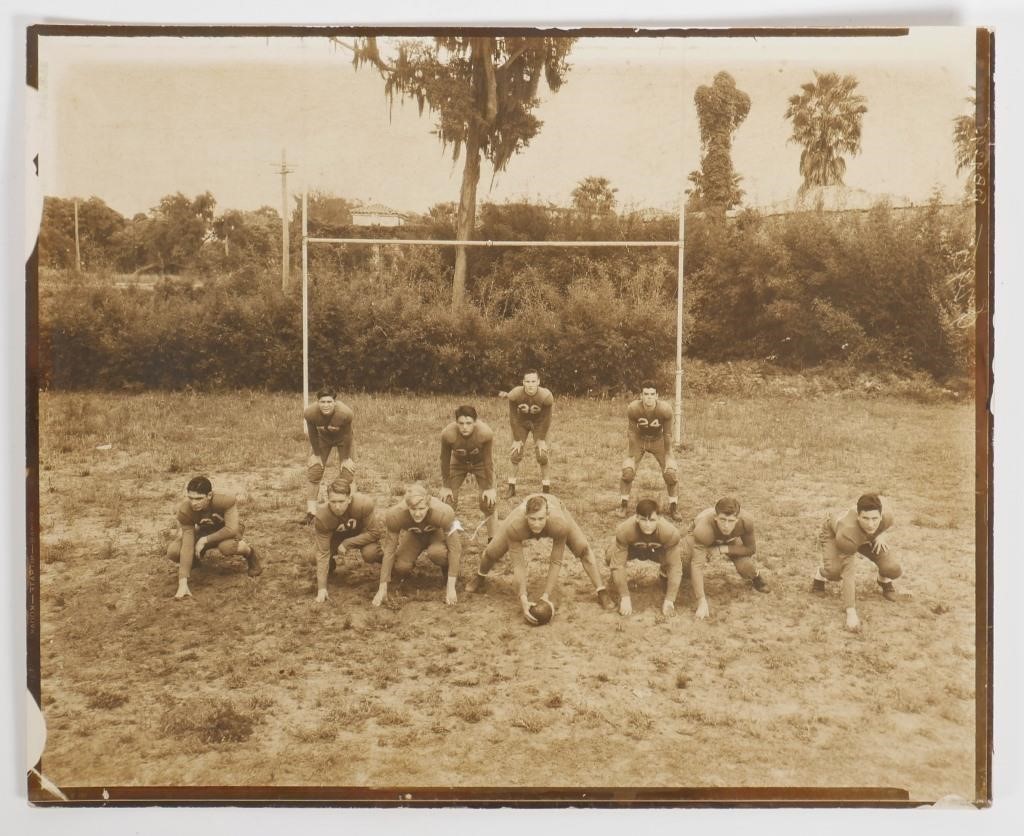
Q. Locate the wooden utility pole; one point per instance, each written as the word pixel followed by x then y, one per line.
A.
pixel 285 271
pixel 78 248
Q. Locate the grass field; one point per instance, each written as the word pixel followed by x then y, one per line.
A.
pixel 252 683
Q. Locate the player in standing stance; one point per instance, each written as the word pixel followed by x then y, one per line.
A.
pixel 647 537
pixel 416 525
pixel 649 430
pixel 725 531
pixel 346 521
pixel 541 515
pixel 329 426
pixel 207 520
pixel 529 410
pixel 466 449
pixel 863 530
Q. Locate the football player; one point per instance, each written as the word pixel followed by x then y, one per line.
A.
pixel 539 516
pixel 723 531
pixel 207 520
pixel 647 537
pixel 329 426
pixel 529 410
pixel 863 530
pixel 420 524
pixel 466 450
pixel 649 430
pixel 346 521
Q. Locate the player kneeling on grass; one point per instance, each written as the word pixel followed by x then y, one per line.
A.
pixel 862 530
pixel 207 520
pixel 347 521
pixel 727 531
pixel 647 537
pixel 649 430
pixel 466 450
pixel 329 426
pixel 420 523
pixel 541 515
pixel 529 411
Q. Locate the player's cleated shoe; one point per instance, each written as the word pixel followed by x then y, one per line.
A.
pixel 510 490
pixel 818 587
pixel 477 583
pixel 623 511
pixel 545 487
pixel 760 584
pixel 604 598
pixel 253 563
pixel 888 591
pixel 673 512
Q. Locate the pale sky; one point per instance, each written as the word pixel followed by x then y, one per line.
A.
pixel 132 119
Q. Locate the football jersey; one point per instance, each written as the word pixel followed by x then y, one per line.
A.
pixel 629 536
pixel 473 451
pixel 740 540
pixel 850 537
pixel 439 517
pixel 558 525
pixel 530 412
pixel 327 431
pixel 211 518
pixel 650 425
pixel 354 520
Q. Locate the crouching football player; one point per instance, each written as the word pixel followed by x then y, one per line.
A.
pixel 541 515
pixel 647 537
pixel 864 531
pixel 420 524
pixel 723 531
pixel 347 521
pixel 207 520
pixel 466 450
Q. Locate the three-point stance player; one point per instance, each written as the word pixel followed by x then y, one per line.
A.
pixel 724 530
pixel 863 530
pixel 329 425
pixel 347 521
pixel 649 430
pixel 540 515
pixel 529 410
pixel 420 523
pixel 647 537
pixel 207 520
pixel 466 449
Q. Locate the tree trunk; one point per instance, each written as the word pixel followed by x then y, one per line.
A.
pixel 466 217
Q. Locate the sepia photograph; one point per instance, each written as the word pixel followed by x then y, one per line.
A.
pixel 510 415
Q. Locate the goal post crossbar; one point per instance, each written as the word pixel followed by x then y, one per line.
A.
pixel 307 239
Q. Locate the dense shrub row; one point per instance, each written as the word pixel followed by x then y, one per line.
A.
pixel 884 290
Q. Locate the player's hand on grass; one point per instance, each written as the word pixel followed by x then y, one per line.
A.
pixel 382 593
pixel 852 621
pixel 526 603
pixel 183 590
pixel 881 543
pixel 702 610
pixel 625 605
pixel 502 394
pixel 517 448
pixel 668 609
pixel 321 596
pixel 451 598
pixel 490 496
pixel 446 496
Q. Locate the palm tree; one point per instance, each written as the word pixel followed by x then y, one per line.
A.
pixel 965 142
pixel 827 119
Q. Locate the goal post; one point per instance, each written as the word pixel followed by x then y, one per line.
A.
pixel 307 239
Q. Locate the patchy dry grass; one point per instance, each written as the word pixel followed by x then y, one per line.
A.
pixel 250 682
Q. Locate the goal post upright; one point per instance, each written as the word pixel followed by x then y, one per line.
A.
pixel 677 429
pixel 305 300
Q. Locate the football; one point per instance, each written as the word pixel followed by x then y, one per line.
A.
pixel 542 611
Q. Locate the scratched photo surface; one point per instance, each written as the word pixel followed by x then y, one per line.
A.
pixel 795 215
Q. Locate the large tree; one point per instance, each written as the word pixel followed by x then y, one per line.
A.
pixel 482 91
pixel 594 196
pixel 721 109
pixel 827 115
